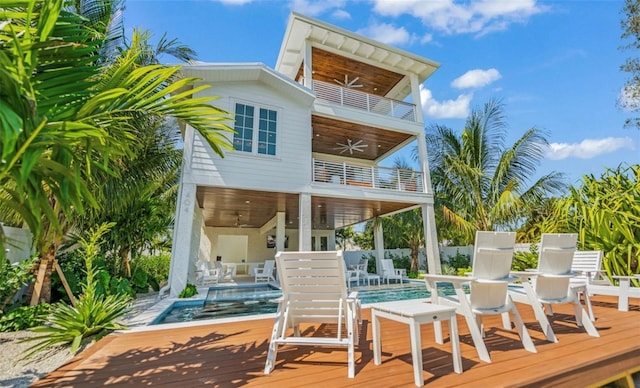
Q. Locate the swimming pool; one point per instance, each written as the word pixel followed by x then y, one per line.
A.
pixel 243 300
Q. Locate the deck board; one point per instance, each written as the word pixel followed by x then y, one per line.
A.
pixel 233 354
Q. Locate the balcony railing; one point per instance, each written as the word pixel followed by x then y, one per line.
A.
pixel 367 176
pixel 365 101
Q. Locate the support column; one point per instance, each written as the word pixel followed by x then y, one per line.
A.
pixel 308 63
pixel 280 231
pixel 304 223
pixel 432 250
pixel 378 241
pixel 186 234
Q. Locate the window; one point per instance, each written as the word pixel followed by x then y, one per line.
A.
pixel 249 131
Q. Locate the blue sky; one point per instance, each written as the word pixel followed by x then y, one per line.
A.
pixel 555 64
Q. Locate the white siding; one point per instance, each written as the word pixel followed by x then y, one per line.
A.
pixel 289 170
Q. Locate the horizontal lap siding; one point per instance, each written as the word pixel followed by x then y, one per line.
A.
pixel 288 170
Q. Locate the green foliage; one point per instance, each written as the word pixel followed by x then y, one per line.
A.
pixel 94 313
pixel 460 260
pixel 463 271
pixel 24 317
pixel 12 279
pixel 189 291
pixel 481 184
pixel 525 260
pixel 605 212
pixel 156 267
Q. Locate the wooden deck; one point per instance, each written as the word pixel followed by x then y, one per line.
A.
pixel 233 354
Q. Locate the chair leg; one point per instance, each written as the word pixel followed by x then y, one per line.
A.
pixel 521 329
pixel 273 344
pixel 582 319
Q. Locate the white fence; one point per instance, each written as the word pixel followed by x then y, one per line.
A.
pixel 18 243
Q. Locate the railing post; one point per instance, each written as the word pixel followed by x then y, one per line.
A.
pixel 344 172
pixel 373 177
pixel 399 179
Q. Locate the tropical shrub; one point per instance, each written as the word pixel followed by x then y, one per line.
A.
pixel 524 260
pixel 95 313
pixel 605 212
pixel 12 279
pixel 189 291
pixel 24 317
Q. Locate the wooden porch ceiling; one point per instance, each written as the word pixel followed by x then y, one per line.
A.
pixel 237 208
pixel 328 133
pixel 328 67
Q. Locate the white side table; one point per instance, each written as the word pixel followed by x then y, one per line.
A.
pixel 414 313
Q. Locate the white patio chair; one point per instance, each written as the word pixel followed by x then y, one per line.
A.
pixel 589 265
pixel 488 283
pixel 266 272
pixel 205 275
pixel 391 273
pixel 314 292
pixel 549 284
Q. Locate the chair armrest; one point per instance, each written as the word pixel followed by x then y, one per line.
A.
pixel 352 295
pixel 457 281
pixel 523 276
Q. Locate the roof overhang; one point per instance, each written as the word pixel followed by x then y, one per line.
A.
pixel 249 72
pixel 331 38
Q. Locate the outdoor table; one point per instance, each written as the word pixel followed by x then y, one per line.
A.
pixel 415 312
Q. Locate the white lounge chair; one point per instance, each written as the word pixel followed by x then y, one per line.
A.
pixel 391 273
pixel 489 280
pixel 314 292
pixel 589 265
pixel 549 284
pixel 266 272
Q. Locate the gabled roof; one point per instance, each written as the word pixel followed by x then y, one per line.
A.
pixel 348 44
pixel 249 72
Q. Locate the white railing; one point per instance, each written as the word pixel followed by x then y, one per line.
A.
pixel 367 176
pixel 365 101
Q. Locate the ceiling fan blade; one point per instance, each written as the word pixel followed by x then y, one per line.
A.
pixel 353 81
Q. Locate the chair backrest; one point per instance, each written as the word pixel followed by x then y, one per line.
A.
pixel 584 261
pixel 269 266
pixel 493 254
pixel 387 267
pixel 313 285
pixel 556 253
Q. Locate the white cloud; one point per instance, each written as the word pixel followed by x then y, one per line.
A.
pixel 589 148
pixel 478 17
pixel 341 14
pixel 315 8
pixel 387 33
pixel 449 109
pixel 476 78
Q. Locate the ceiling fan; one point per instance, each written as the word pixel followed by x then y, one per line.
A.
pixel 351 146
pixel 349 84
pixel 238 224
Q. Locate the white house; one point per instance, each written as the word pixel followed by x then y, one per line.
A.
pixel 311 135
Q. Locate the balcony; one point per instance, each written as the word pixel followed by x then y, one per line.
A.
pixel 364 101
pixel 367 176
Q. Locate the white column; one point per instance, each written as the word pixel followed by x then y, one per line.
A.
pixel 415 96
pixel 280 232
pixel 186 235
pixel 431 239
pixel 306 70
pixel 378 241
pixel 304 223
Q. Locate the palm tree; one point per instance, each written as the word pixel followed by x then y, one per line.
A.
pixel 481 184
pixel 65 115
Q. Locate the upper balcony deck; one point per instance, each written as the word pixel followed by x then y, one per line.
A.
pixel 371 103
pixel 349 174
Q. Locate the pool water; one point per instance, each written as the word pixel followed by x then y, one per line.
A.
pixel 224 302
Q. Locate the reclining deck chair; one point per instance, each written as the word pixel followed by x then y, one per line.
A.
pixel 314 292
pixel 589 264
pixel 550 283
pixel 492 256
